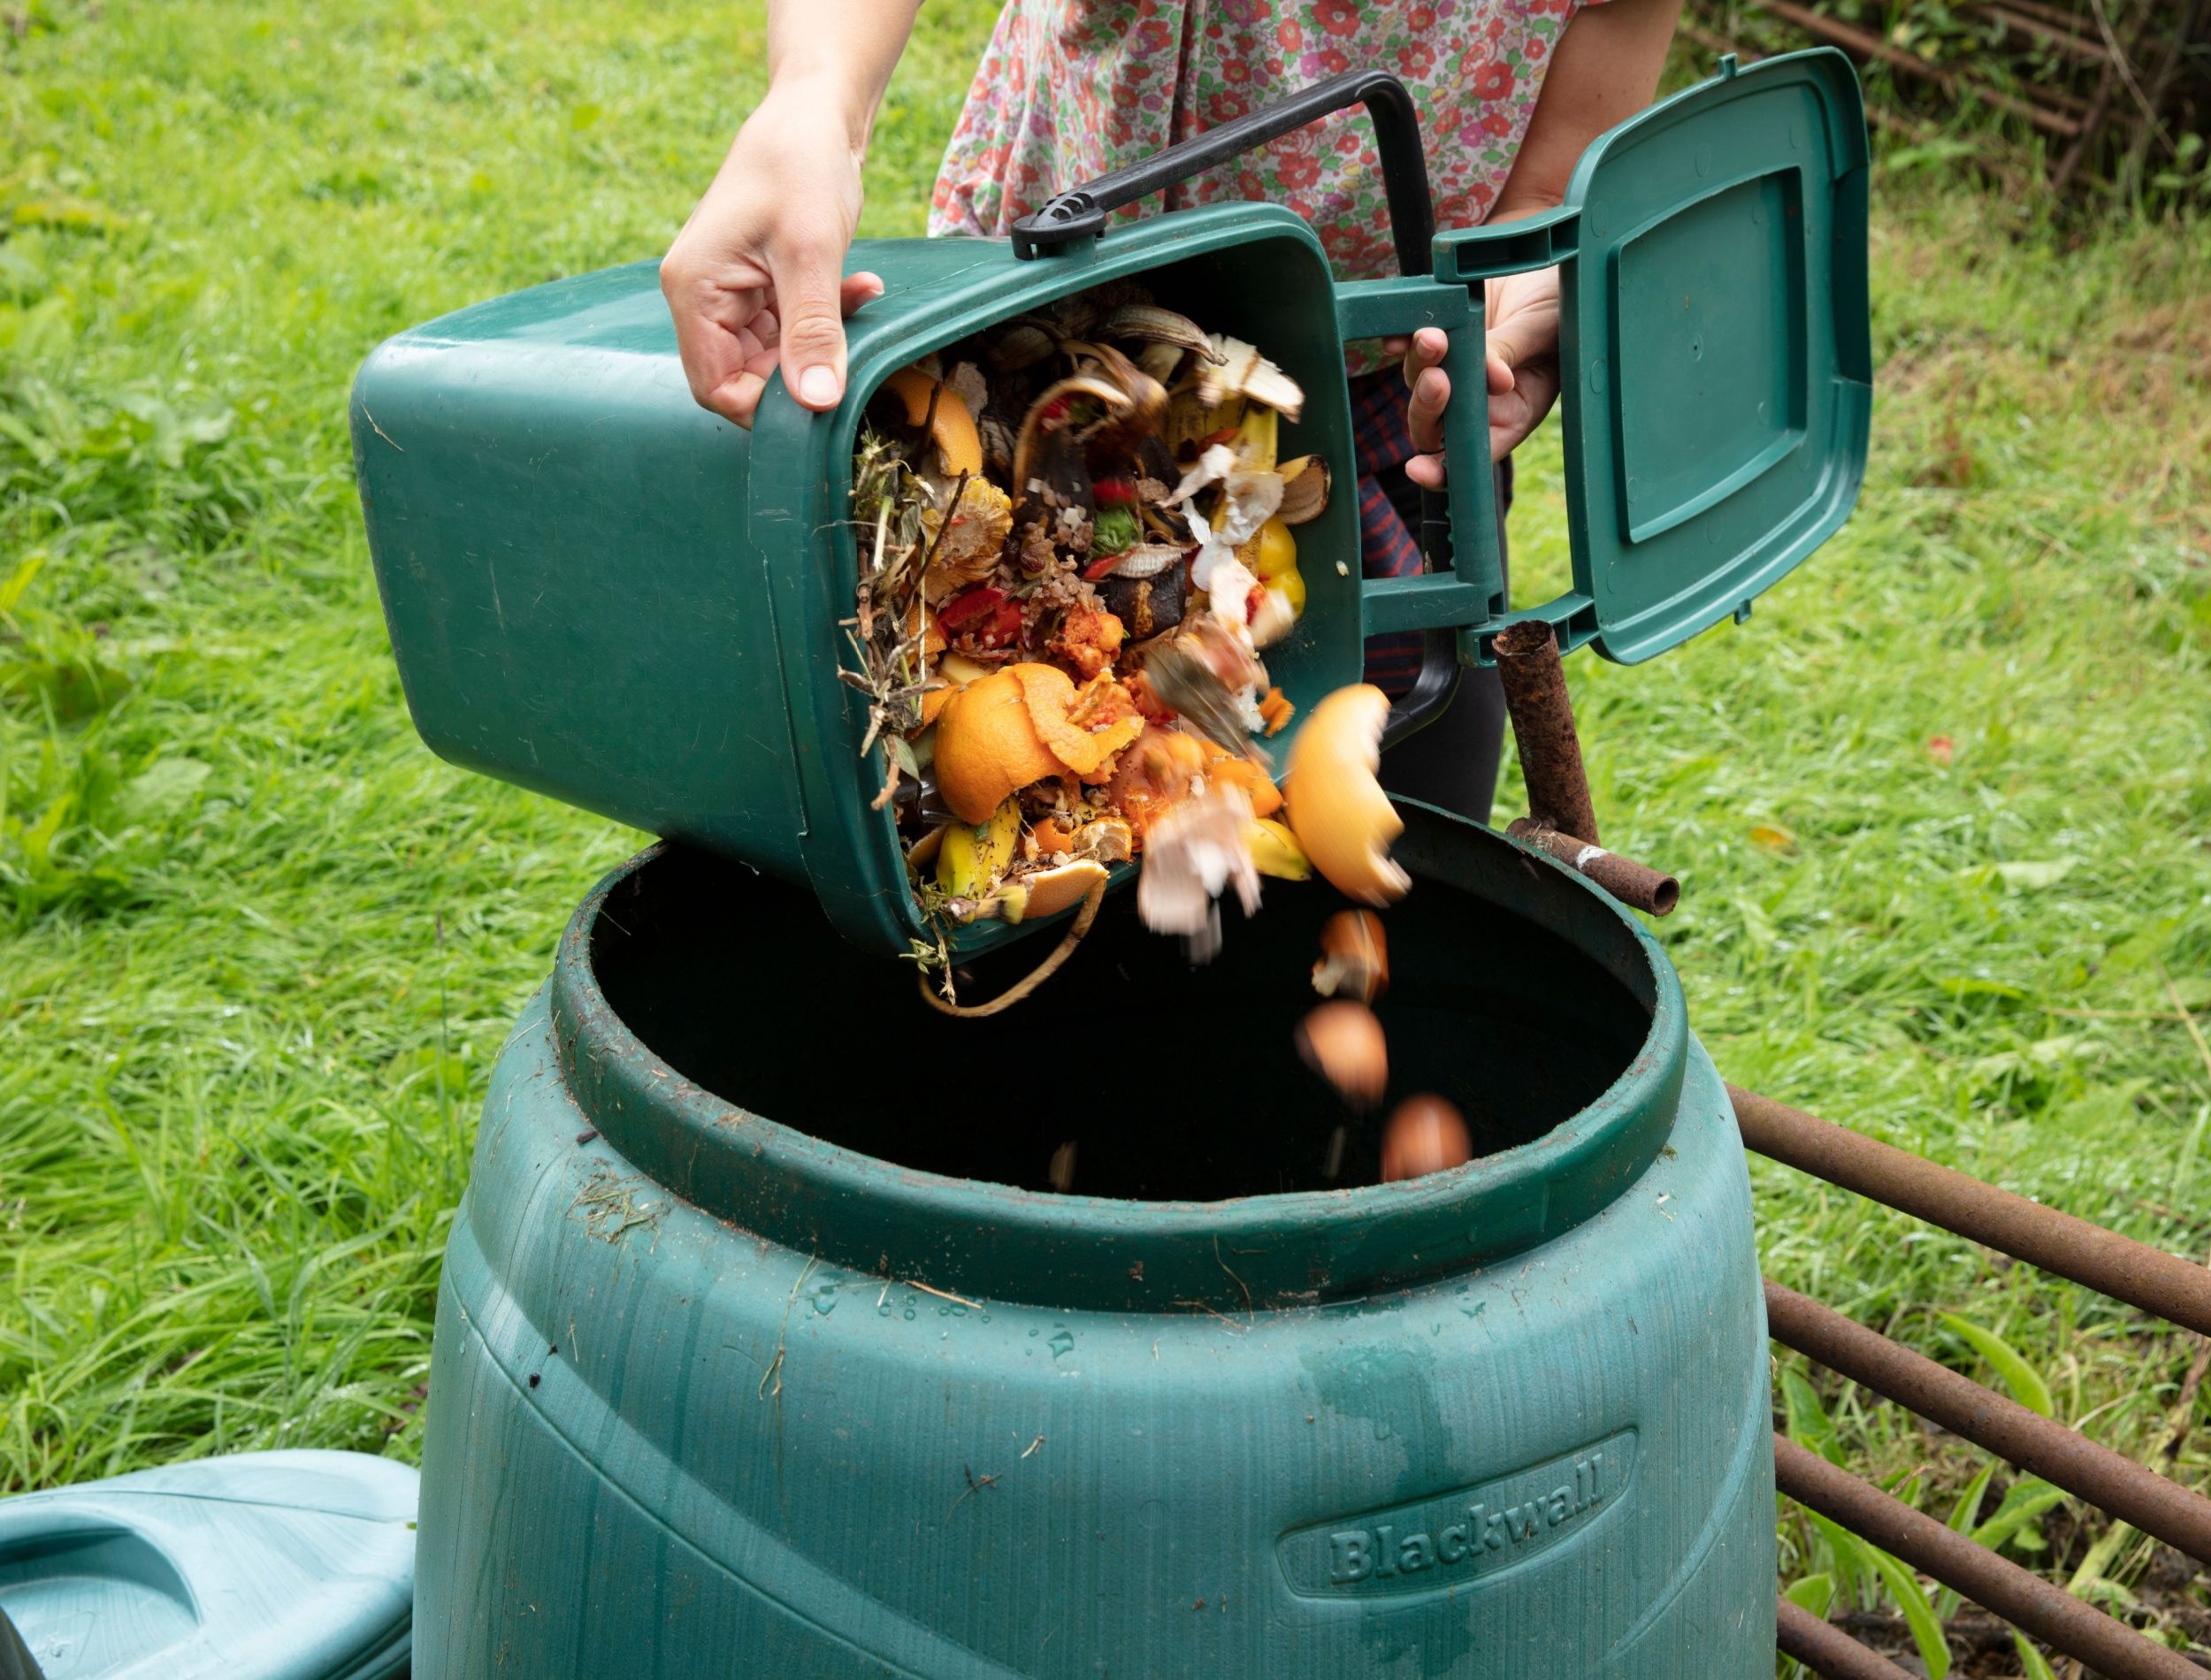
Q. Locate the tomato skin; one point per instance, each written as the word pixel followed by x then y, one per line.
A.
pixel 972 604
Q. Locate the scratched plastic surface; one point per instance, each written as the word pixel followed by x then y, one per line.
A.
pixel 714 1396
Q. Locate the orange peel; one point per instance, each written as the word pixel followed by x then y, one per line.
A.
pixel 987 748
pixel 1052 890
pixel 1051 696
pixel 1335 805
pixel 954 672
pixel 951 428
pixel 1236 771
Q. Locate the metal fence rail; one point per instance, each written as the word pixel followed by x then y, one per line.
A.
pixel 2102 1260
pixel 2036 1444
pixel 2087 1254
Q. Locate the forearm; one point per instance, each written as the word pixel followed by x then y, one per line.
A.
pixel 1604 69
pixel 839 51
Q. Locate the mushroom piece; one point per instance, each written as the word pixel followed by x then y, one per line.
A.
pixel 1146 414
pixel 1146 605
pixel 1304 490
pixel 1354 957
pixel 1149 323
pixel 1344 1044
pixel 1426 1134
pixel 1242 371
pixel 1051 413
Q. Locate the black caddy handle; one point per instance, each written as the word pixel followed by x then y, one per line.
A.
pixel 1081 212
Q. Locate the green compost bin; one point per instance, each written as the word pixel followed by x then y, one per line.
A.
pixel 597 590
pixel 763 1349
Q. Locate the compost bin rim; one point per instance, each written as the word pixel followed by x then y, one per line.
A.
pixel 975 1238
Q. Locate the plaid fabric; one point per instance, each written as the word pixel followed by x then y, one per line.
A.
pixel 1382 440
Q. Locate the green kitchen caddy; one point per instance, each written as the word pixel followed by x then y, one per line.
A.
pixel 598 590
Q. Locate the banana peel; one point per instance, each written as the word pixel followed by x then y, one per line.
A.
pixel 971 857
pixel 1275 850
pixel 1255 442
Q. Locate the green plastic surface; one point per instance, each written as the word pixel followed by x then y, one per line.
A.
pixel 1716 356
pixel 599 590
pixel 261 1566
pixel 719 1389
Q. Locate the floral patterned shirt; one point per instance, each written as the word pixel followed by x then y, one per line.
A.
pixel 1070 89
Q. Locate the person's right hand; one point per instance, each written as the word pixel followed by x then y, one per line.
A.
pixel 753 279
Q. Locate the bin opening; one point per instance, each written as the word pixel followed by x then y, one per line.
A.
pixel 1021 563
pixel 1172 1083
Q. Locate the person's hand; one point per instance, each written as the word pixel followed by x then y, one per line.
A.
pixel 1523 314
pixel 1522 372
pixel 753 279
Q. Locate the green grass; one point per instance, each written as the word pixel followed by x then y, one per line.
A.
pixel 257 948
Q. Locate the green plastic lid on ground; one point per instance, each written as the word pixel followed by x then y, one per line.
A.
pixel 264 1565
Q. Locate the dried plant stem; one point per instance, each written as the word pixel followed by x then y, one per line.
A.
pixel 1035 978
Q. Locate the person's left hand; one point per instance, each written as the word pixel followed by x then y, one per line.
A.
pixel 1523 372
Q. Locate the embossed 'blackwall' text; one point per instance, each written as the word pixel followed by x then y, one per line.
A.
pixel 1354 1553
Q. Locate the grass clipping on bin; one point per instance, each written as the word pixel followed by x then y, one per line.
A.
pixel 889 499
pixel 886 630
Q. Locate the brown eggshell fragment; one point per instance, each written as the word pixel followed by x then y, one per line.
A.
pixel 1426 1134
pixel 1344 1044
pixel 1354 957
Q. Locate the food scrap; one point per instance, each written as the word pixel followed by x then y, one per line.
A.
pixel 1337 808
pixel 1354 957
pixel 1077 545
pixel 1344 1044
pixel 1426 1134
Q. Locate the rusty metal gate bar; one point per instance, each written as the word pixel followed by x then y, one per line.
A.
pixel 2087 1254
pixel 2023 1599
pixel 2036 1444
pixel 2102 1260
pixel 1826 1649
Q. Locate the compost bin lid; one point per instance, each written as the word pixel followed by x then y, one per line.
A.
pixel 1715 353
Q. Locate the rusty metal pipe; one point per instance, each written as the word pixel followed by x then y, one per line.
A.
pixel 1963 1407
pixel 2026 1600
pixel 1826 1649
pixel 1634 884
pixel 2103 1260
pixel 1535 681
